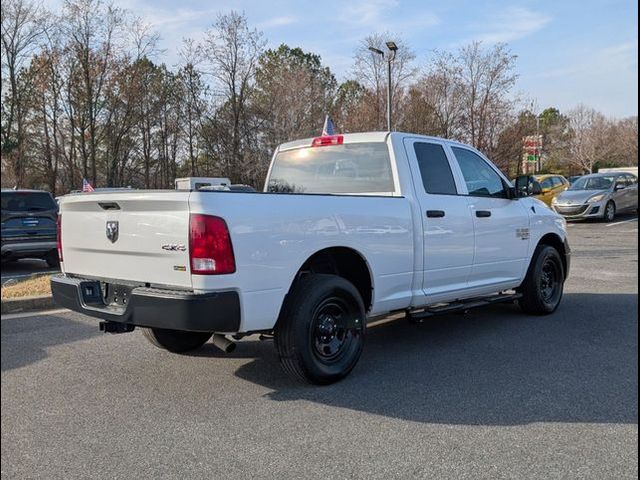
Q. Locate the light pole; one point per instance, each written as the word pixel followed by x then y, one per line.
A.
pixel 393 48
pixel 538 159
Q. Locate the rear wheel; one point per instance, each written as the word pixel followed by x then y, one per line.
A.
pixel 610 212
pixel 52 259
pixel 176 341
pixel 320 333
pixel 543 286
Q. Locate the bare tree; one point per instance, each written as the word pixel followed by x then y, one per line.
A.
pixel 625 141
pixel 195 95
pixel 44 124
pixel 23 24
pixel 435 103
pixel 443 89
pixel 86 94
pixel 370 70
pixel 293 92
pixel 232 50
pixel 589 130
pixel 487 77
pixel 92 29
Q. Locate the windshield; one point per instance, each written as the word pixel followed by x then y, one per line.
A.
pixel 350 168
pixel 592 183
pixel 27 202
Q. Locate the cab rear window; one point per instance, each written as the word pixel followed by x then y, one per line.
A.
pixel 356 168
pixel 27 202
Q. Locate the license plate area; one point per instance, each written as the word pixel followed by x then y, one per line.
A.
pixel 103 295
pixel 116 295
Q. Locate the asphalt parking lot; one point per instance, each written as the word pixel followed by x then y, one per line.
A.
pixel 489 394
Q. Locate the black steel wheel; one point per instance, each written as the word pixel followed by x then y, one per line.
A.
pixel 332 329
pixel 320 332
pixel 550 280
pixel 52 259
pixel 543 286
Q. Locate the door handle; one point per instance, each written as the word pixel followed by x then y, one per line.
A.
pixel 483 213
pixel 435 213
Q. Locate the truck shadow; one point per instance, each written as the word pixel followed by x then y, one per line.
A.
pixel 489 367
pixel 25 340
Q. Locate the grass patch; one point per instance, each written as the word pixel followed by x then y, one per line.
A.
pixel 28 288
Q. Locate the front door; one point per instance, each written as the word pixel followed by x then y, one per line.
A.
pixel 447 225
pixel 501 224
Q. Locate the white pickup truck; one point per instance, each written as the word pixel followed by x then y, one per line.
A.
pixel 348 228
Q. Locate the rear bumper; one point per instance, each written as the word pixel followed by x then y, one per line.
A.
pixel 27 248
pixel 151 307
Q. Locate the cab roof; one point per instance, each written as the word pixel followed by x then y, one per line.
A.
pixel 363 137
pixel 547 175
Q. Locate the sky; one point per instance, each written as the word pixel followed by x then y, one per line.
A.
pixel 569 51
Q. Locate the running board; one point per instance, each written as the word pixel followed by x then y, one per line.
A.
pixel 418 316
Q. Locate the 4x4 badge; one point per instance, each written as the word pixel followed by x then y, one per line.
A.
pixel 112 230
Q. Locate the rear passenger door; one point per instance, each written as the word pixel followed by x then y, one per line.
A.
pixel 501 224
pixel 447 225
pixel 632 188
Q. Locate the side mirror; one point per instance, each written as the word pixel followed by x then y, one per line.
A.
pixel 619 187
pixel 527 186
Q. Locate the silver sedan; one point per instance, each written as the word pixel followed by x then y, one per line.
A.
pixel 600 195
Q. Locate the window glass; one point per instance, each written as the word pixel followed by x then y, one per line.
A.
pixel 593 182
pixel 27 201
pixel 557 182
pixel 481 179
pixel 348 168
pixel 547 183
pixel 435 170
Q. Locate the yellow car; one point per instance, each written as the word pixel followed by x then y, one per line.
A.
pixel 552 186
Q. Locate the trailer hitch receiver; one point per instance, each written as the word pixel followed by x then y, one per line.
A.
pixel 116 327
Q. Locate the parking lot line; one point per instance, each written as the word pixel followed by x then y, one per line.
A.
pixel 620 223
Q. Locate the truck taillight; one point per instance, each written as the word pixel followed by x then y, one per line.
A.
pixel 59 236
pixel 327 140
pixel 210 249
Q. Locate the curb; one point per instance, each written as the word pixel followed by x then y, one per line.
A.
pixel 28 304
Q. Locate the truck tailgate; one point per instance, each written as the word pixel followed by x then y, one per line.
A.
pixel 149 236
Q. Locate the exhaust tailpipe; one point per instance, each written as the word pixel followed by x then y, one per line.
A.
pixel 223 343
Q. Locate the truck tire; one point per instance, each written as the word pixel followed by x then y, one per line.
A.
pixel 176 341
pixel 52 259
pixel 320 333
pixel 543 286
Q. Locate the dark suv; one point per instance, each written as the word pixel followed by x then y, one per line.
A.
pixel 29 225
